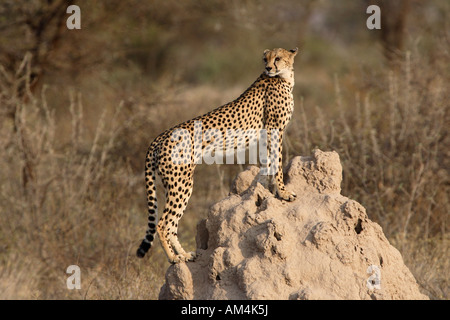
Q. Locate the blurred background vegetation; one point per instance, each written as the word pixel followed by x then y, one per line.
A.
pixel 78 109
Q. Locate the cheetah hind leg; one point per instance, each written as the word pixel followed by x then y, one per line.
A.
pixel 169 223
pixel 169 241
pixel 180 254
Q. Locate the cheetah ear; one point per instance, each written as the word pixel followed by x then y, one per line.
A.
pixel 265 51
pixel 294 51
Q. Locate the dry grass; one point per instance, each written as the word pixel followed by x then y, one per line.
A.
pixel 77 200
pixel 80 202
pixel 71 171
pixel 394 145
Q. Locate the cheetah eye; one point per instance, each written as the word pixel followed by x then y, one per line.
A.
pixel 265 60
pixel 277 59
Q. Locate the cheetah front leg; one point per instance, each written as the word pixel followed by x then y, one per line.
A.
pixel 275 163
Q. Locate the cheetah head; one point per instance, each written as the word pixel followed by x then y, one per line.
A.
pixel 279 62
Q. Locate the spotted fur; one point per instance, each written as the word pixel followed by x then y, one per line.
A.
pixel 266 104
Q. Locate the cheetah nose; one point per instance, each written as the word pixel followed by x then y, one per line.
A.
pixel 268 68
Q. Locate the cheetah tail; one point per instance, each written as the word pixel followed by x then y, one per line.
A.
pixel 150 181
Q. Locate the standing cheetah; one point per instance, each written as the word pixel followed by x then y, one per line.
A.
pixel 267 104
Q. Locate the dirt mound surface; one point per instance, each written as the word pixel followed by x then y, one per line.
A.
pixel 321 246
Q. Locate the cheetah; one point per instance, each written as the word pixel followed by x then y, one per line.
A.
pixel 267 104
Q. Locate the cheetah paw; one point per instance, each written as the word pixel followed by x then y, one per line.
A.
pixel 185 257
pixel 190 256
pixel 287 195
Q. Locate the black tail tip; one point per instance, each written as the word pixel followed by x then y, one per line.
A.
pixel 143 248
pixel 140 253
